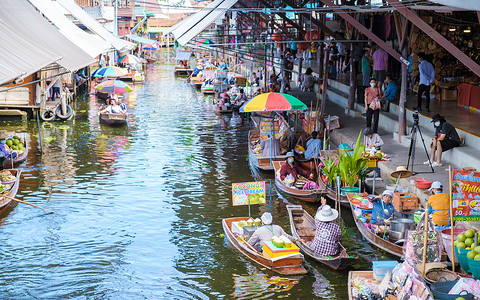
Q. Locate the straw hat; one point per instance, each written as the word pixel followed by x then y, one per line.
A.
pixel 402 171
pixel 327 214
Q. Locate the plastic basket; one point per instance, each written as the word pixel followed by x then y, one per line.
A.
pixel 447 241
pixel 462 258
pixel 348 189
pixel 474 266
pixel 441 288
pixel 371 163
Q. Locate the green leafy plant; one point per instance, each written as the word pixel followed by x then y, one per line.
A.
pixel 352 165
pixel 330 168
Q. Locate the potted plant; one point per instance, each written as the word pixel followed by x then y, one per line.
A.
pixel 330 169
pixel 351 166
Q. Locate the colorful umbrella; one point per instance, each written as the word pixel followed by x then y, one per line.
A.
pixel 109 72
pixel 273 102
pixel 114 86
pixel 150 47
pixel 129 59
pixel 205 42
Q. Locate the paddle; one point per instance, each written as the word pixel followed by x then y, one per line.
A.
pixel 8 197
pixel 249 246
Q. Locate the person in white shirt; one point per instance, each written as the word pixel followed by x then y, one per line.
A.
pixel 427 74
pixel 371 140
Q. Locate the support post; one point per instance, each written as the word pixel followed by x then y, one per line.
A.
pixel 402 120
pixel 353 80
pixel 325 82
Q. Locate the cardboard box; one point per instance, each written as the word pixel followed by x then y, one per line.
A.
pixel 405 201
pixel 272 251
pixel 236 228
pixel 449 94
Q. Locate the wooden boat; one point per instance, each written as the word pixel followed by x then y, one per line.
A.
pixel 332 193
pixel 19 159
pixel 207 89
pixel 134 77
pixel 262 162
pixel 5 202
pixel 182 70
pixel 196 82
pixel 224 109
pixel 114 120
pixel 304 195
pixel 288 265
pixel 303 226
pixel 370 236
pixel 352 275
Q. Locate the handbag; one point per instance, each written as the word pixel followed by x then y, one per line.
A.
pixel 375 104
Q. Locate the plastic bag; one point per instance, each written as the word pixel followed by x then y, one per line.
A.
pixel 310 185
pixel 413 248
pixel 470 285
pixel 289 179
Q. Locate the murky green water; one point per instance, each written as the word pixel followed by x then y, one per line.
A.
pixel 140 208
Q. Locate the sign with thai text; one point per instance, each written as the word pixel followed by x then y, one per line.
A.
pixel 466 195
pixel 248 193
pixel 269 127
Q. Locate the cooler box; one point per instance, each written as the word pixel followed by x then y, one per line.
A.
pixel 248 231
pixel 236 228
pixel 272 251
pixel 405 200
pixel 381 267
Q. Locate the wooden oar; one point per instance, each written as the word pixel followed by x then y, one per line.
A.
pixel 249 246
pixel 15 199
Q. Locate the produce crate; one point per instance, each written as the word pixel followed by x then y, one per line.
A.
pixel 371 163
pixel 334 122
pixel 405 201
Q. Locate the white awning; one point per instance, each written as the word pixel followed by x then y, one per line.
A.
pixel 92 44
pixel 183 55
pixel 201 20
pixel 140 39
pixel 20 56
pixel 465 4
pixel 22 16
pixel 94 26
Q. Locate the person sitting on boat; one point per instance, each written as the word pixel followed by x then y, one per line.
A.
pixel 122 105
pixel 382 208
pixel 439 206
pixel 271 147
pixel 266 232
pixel 224 96
pixel 327 233
pixel 112 108
pixel 372 140
pixel 314 145
pixel 241 98
pixel 291 168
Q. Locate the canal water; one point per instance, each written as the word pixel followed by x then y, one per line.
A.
pixel 139 209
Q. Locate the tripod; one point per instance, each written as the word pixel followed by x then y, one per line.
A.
pixel 413 142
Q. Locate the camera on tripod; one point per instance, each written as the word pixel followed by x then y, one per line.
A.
pixel 416 117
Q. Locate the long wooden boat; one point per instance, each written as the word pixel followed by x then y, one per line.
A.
pixel 354 274
pixel 303 226
pixel 370 236
pixel 114 120
pixel 288 265
pixel 304 195
pixel 182 71
pixel 207 89
pixel 5 202
pixel 223 110
pixel 332 193
pixel 260 161
pixel 19 159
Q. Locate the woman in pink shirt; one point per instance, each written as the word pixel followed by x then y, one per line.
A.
pixel 371 93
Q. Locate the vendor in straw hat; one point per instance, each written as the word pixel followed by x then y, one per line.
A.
pixel 266 232
pixel 382 208
pixel 327 233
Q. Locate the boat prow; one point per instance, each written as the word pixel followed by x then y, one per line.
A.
pixel 114 120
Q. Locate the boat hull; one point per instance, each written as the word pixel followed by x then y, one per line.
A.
pixel 114 120
pixel 264 163
pixel 304 195
pixel 338 262
pixel 5 202
pixel 285 266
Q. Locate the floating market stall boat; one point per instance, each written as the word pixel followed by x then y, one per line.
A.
pixel 296 190
pixel 369 235
pixel 284 265
pixel 21 154
pixel 259 160
pixel 303 226
pixel 207 88
pixel 182 69
pixel 12 180
pixel 332 193
pixel 223 109
pixel 114 120
pixel 368 275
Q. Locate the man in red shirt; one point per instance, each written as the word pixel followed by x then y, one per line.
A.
pixel 292 168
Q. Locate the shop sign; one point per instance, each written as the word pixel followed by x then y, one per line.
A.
pixel 248 193
pixel 466 195
pixel 266 129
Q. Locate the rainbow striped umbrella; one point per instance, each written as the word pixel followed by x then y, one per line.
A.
pixel 205 42
pixel 150 47
pixel 273 102
pixel 114 86
pixel 109 72
pixel 129 59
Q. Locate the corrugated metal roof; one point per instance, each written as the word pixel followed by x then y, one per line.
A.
pixel 94 26
pixel 92 44
pixel 201 20
pixel 19 56
pixel 140 39
pixel 22 16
